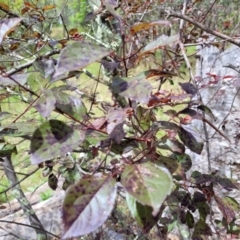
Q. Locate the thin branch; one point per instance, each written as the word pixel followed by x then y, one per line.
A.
pixel 26 225
pixel 203 27
pixel 30 63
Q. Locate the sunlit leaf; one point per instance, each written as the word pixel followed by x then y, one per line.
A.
pixel 191 139
pixel 88 204
pixel 19 129
pixel 53 139
pixel 148 184
pixel 79 55
pixel 147 25
pixel 49 7
pixel 161 41
pixel 142 214
pixel 7 25
pixel 95 137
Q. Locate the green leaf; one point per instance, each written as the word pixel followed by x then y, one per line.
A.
pixel 95 137
pixel 164 125
pixel 53 139
pixel 189 219
pixel 136 88
pixel 201 229
pixel 228 206
pixel 170 163
pixel 173 145
pixel 19 129
pixel 148 184
pixel 70 105
pixel 207 110
pixel 191 139
pixel 7 149
pixel 78 55
pixel 142 214
pixel 184 160
pixel 88 204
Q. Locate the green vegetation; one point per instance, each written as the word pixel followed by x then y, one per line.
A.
pixel 92 93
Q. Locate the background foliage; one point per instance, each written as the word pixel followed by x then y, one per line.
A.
pixel 103 94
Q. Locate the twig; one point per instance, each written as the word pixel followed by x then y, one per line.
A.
pixel 30 226
pixel 203 27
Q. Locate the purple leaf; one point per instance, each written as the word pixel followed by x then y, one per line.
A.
pixel 88 204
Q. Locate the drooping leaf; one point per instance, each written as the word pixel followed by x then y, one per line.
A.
pixel 79 55
pixel 188 111
pixel 14 79
pixel 189 88
pixel 87 205
pixel 226 183
pixel 142 214
pixel 228 206
pixel 52 181
pixel 148 184
pixel 191 139
pixel 53 139
pixel 7 25
pixel 204 210
pixel 207 110
pixel 46 104
pixel 189 219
